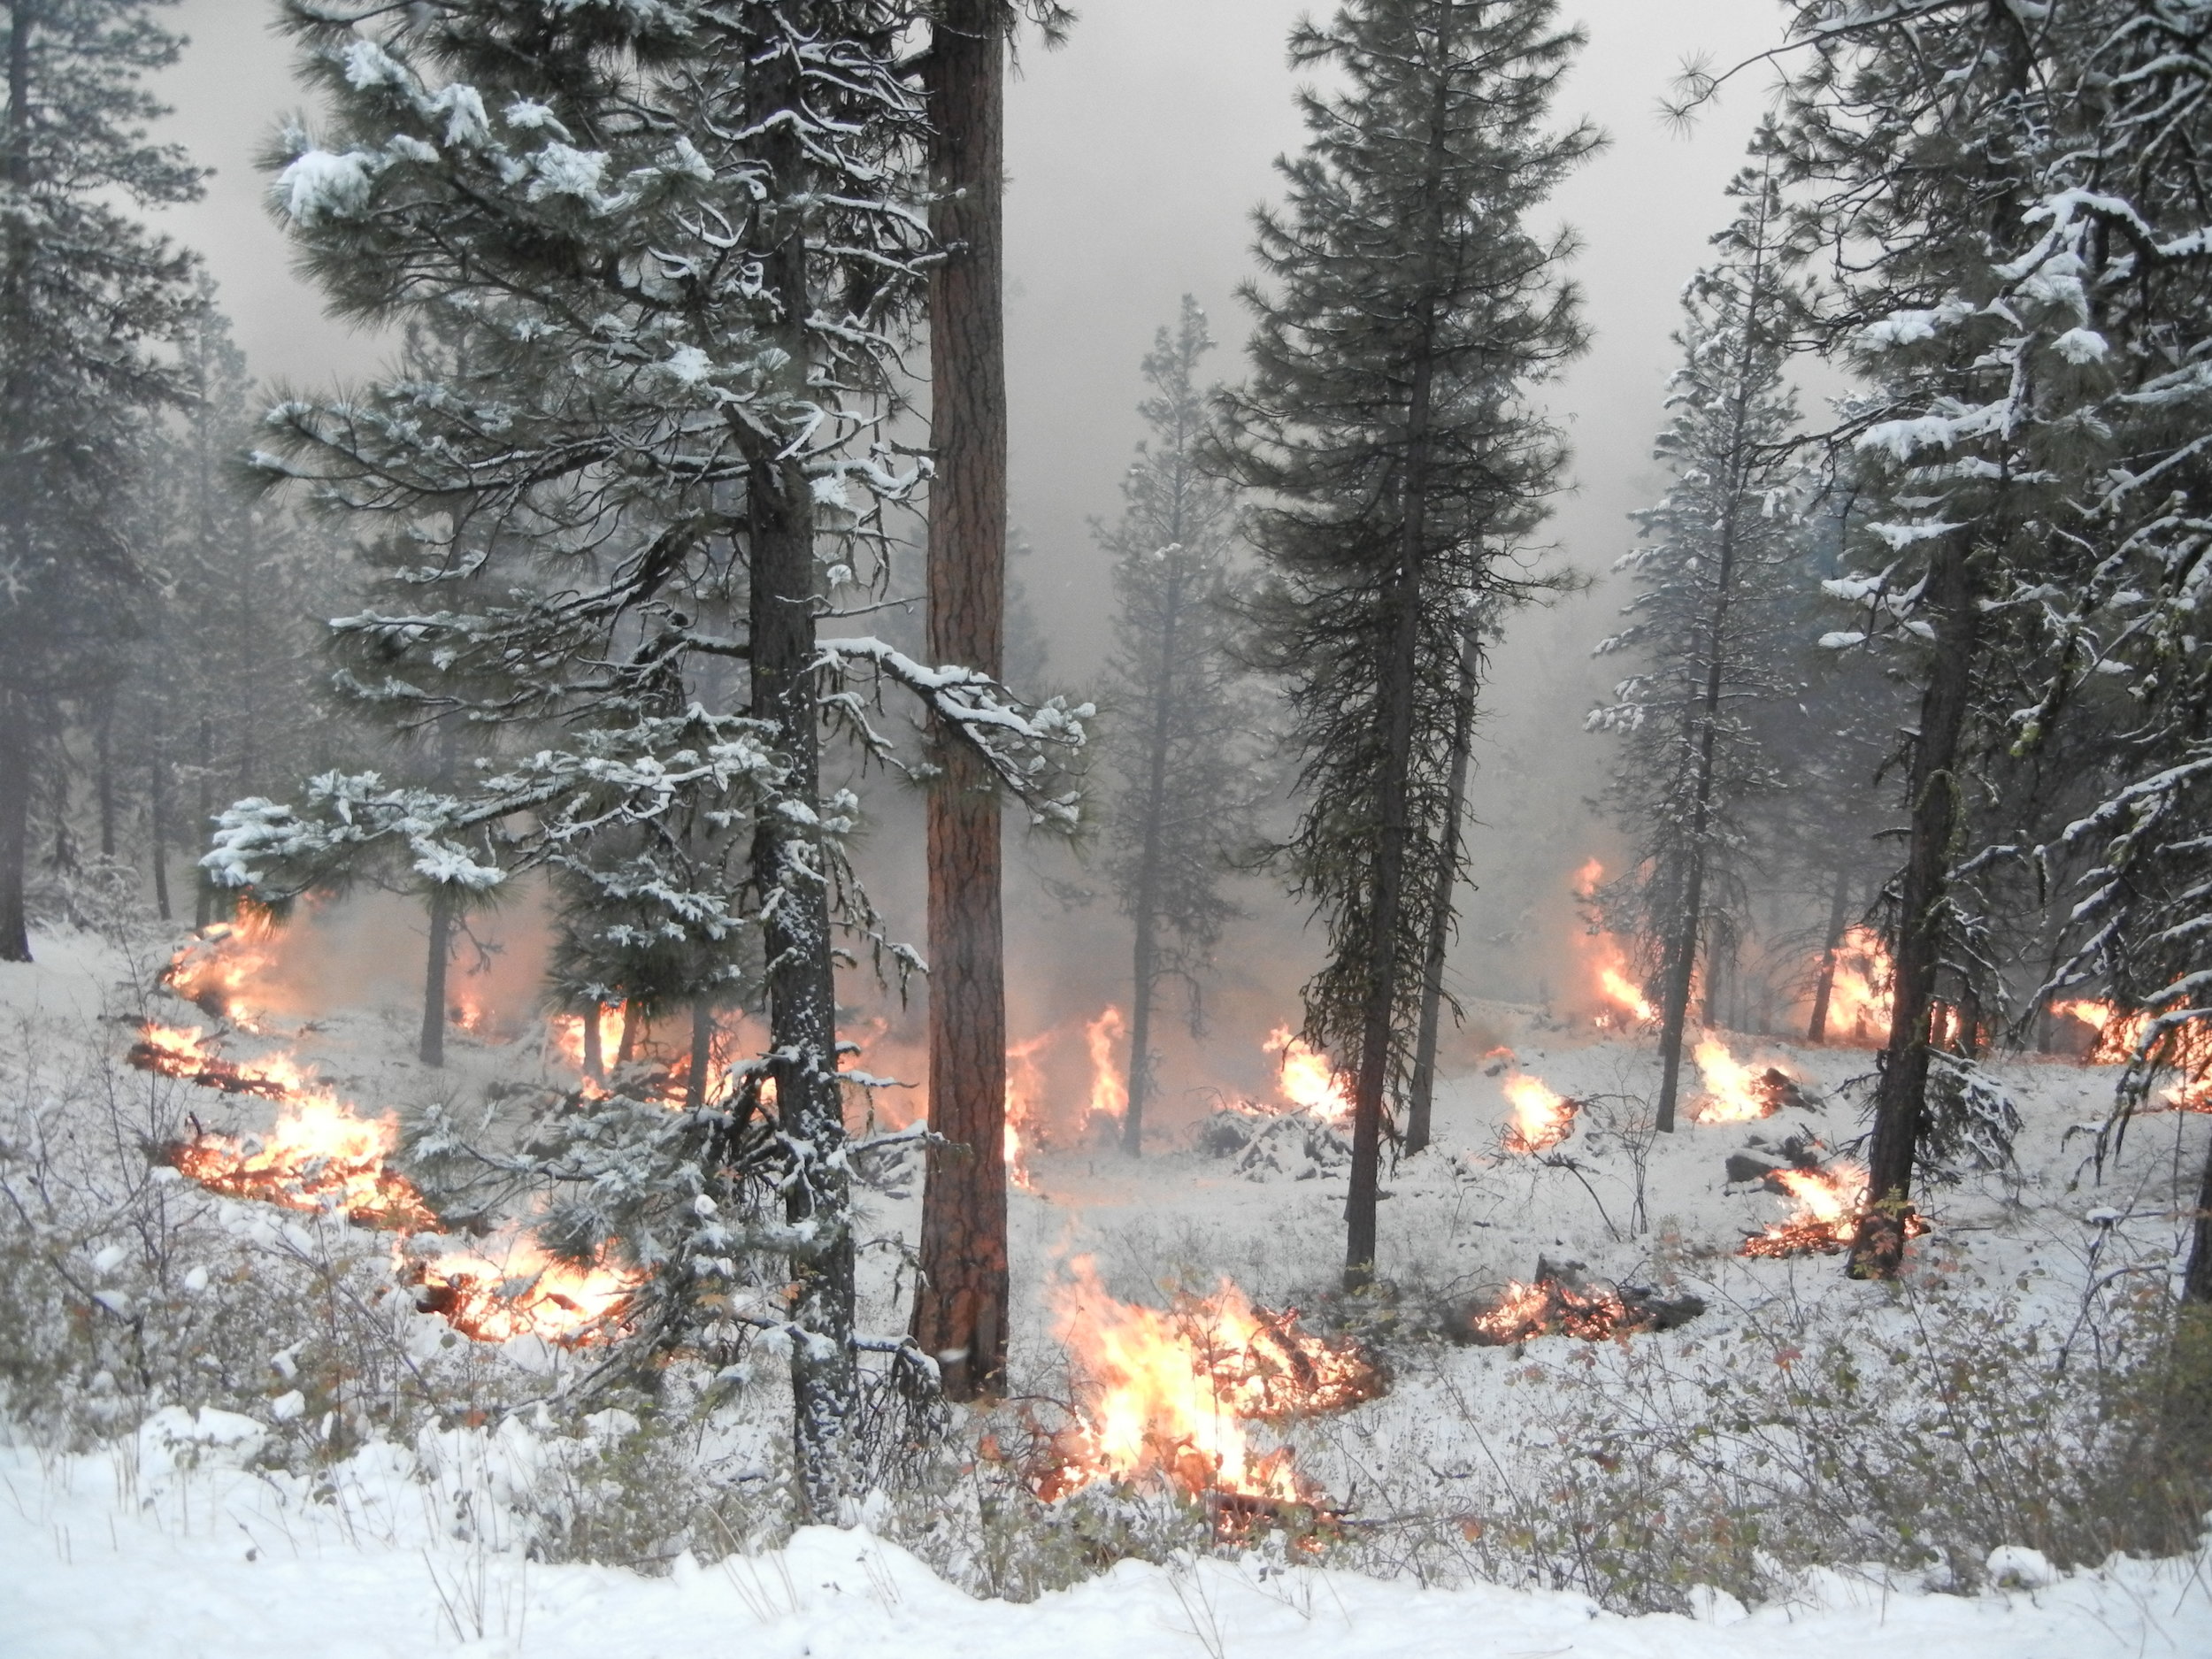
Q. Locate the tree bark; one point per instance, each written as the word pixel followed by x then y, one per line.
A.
pixel 103 761
pixel 1900 1099
pixel 430 1050
pixel 1824 987
pixel 2196 1284
pixel 1421 1093
pixel 594 1044
pixel 960 1302
pixel 203 895
pixel 15 827
pixel 796 924
pixel 1146 970
pixel 701 1056
pixel 158 814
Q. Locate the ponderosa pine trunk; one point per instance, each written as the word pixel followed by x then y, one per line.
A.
pixel 431 1049
pixel 701 1055
pixel 15 395
pixel 104 763
pixel 157 820
pixel 594 1044
pixel 1825 987
pixel 2196 1284
pixel 796 925
pixel 960 1299
pixel 203 897
pixel 1924 895
pixel 15 827
pixel 1420 1094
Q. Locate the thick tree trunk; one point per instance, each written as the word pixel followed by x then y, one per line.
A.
pixel 431 1049
pixel 1924 897
pixel 157 815
pixel 1824 987
pixel 15 827
pixel 1420 1094
pixel 796 924
pixel 960 1299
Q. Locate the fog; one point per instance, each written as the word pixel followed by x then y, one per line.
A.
pixel 1136 154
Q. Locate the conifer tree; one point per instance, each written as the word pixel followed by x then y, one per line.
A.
pixel 89 300
pixel 1183 799
pixel 1712 586
pixel 674 248
pixel 1384 424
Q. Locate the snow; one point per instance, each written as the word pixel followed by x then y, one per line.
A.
pixel 170 1555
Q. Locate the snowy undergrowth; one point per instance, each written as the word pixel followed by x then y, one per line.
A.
pixel 2019 1390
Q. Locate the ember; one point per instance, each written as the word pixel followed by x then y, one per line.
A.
pixel 1305 1079
pixel 1560 1302
pixel 524 1292
pixel 183 1052
pixel 1168 1394
pixel 1829 1203
pixel 320 1158
pixel 1541 1118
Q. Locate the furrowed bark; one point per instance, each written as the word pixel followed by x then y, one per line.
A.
pixel 1421 1093
pixel 960 1299
pixel 1924 897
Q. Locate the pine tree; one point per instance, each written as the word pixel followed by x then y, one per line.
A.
pixel 667 254
pixel 89 300
pixel 1184 795
pixel 1711 601
pixel 1384 424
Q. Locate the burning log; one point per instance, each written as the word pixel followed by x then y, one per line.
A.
pixel 317 1158
pixel 1168 1395
pixel 526 1294
pixel 182 1052
pixel 1739 1093
pixel 1830 1204
pixel 1560 1300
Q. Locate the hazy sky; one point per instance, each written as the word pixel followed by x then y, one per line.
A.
pixel 1136 154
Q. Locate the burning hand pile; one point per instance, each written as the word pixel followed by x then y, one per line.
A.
pixel 1559 1301
pixel 1542 1118
pixel 1829 1202
pixel 1168 1394
pixel 215 971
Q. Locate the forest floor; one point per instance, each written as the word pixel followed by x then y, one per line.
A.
pixel 181 1533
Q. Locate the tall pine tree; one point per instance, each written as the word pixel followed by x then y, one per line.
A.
pixel 1412 302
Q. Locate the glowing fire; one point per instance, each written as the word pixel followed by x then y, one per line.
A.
pixel 320 1156
pixel 1024 1088
pixel 1168 1394
pixel 1542 1118
pixel 2120 1032
pixel 217 967
pixel 1736 1093
pixel 1829 1203
pixel 567 1031
pixel 1608 961
pixel 1109 1090
pixel 1548 1307
pixel 523 1292
pixel 1305 1079
pixel 1859 994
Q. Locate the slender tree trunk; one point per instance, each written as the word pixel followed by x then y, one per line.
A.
pixel 1421 1093
pixel 157 813
pixel 15 827
pixel 633 1032
pixel 1825 987
pixel 795 922
pixel 430 1050
pixel 1146 969
pixel 960 1299
pixel 103 778
pixel 701 1055
pixel 1924 897
pixel 1403 594
pixel 2196 1284
pixel 594 1044
pixel 203 896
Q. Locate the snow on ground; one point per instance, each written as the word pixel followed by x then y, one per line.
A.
pixel 131 1554
pixel 153 1551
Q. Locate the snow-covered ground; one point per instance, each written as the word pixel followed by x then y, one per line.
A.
pixel 177 1539
pixel 129 1557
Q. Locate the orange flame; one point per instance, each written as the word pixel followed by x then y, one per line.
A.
pixel 1548 1307
pixel 216 968
pixel 1170 1393
pixel 525 1293
pixel 1305 1079
pixel 1608 961
pixel 567 1031
pixel 1024 1088
pixel 1829 1203
pixel 2120 1033
pixel 1860 994
pixel 1735 1092
pixel 1542 1118
pixel 1109 1090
